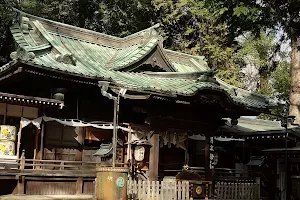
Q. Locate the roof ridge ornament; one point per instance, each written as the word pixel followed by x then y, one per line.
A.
pixel 66 59
pixel 22 54
pixel 207 76
pixel 149 33
pixel 25 25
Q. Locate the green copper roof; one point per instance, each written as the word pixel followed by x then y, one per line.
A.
pixel 64 48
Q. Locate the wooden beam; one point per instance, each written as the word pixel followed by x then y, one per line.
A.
pixel 5 115
pixel 36 143
pixel 42 140
pixel 79 185
pixel 80 138
pixel 29 100
pixel 19 140
pixel 154 157
pixel 21 185
pixel 201 127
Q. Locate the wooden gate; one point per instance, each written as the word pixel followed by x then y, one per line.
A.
pixel 237 191
pixel 156 190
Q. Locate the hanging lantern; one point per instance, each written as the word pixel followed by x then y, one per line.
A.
pixel 140 147
pixel 59 93
pixel 139 153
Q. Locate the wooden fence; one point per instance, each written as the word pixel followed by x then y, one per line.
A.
pixel 237 191
pixel 155 190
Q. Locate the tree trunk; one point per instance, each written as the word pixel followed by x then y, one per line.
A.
pixel 295 80
pixel 264 82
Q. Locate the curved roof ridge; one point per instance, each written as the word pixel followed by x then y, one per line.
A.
pixel 181 75
pixel 183 54
pixel 142 31
pixel 84 30
pixel 66 25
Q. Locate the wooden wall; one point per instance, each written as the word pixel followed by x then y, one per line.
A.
pixel 60 186
pixel 50 187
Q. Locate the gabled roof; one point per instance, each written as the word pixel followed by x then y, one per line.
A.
pixel 67 49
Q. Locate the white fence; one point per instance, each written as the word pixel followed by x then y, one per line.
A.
pixel 237 191
pixel 155 190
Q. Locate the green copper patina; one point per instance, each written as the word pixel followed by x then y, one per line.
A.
pixel 62 48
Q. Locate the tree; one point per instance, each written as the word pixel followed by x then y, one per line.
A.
pixel 57 10
pixel 6 16
pixel 257 52
pixel 240 16
pixel 280 87
pixel 112 17
pixel 121 18
pixel 268 14
pixel 190 26
pixel 286 15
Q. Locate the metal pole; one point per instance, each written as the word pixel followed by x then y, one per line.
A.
pixel 115 130
pixel 286 155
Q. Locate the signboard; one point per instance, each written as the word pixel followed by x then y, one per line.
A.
pixel 211 153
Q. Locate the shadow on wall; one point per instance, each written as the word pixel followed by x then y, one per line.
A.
pixel 7 186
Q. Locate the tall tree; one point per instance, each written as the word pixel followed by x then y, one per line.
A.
pixel 190 26
pixel 6 16
pixel 114 17
pixel 249 15
pixel 257 52
pixel 286 14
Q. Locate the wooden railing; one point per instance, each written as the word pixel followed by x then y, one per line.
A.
pixel 24 164
pixel 156 190
pixel 63 164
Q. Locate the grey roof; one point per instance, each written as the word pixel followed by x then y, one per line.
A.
pixel 250 125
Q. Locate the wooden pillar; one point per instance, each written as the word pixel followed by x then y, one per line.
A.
pixel 5 115
pixel 79 185
pixel 186 154
pixel 36 143
pixel 80 131
pixel 257 181
pixel 19 140
pixel 21 185
pixel 154 157
pixel 42 140
pixel 21 179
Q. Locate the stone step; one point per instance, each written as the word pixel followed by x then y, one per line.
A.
pixel 47 197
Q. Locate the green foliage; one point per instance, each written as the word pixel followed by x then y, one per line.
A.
pixel 122 18
pixel 192 27
pixel 259 51
pixel 281 84
pixel 282 81
pixel 57 10
pixel 283 13
pixel 6 17
pixel 113 17
pixel 240 16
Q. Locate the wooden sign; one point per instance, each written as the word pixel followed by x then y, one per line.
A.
pixel 211 153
